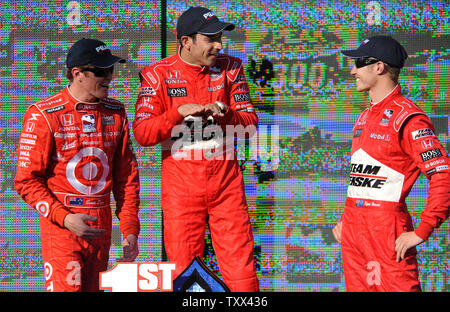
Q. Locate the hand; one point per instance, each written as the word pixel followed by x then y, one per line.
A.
pixel 337 230
pixel 404 242
pixel 77 224
pixel 192 110
pixel 130 249
pixel 214 110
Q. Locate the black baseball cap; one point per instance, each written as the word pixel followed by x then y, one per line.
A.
pixel 383 48
pixel 198 20
pixel 91 52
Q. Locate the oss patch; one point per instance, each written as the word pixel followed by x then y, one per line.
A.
pixel 433 153
pixel 177 92
pixel 242 97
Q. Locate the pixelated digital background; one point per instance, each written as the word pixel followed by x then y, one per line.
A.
pixel 301 86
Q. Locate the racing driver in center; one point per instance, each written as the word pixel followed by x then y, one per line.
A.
pixel 196 90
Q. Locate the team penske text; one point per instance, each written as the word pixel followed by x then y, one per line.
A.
pixel 365 176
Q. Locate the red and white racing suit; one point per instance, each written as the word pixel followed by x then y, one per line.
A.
pixel 71 156
pixel 393 142
pixel 197 188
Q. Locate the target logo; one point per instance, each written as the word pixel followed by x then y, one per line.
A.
pixel 43 208
pixel 48 272
pixel 87 170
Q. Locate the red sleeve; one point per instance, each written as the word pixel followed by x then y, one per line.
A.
pixel 420 142
pixel 126 185
pixel 33 158
pixel 153 123
pixel 241 110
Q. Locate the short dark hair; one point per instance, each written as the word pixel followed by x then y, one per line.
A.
pixel 394 72
pixel 69 71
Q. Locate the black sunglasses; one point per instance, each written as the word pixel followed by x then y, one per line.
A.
pixel 364 61
pixel 100 72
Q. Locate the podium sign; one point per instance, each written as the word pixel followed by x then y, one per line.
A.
pixel 197 277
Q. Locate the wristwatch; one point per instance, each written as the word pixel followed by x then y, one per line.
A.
pixel 223 107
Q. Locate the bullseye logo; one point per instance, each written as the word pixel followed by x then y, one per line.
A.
pixel 43 208
pixel 80 172
pixel 48 271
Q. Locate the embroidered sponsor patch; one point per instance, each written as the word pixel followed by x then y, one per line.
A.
pixel 88 123
pixel 377 136
pixel 421 133
pixel 437 169
pixel 177 92
pixel 67 120
pixel 215 72
pixel 434 163
pixel 433 153
pixel 239 79
pixel 108 120
pixel 77 201
pixel 357 133
pixel 242 97
pixel 386 117
pixel 427 143
pixel 43 208
pixel 147 91
pixel 30 126
pixel 113 107
pixel 215 88
pixel 55 109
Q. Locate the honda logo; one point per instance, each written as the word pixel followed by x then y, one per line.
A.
pixel 173 74
pixel 426 144
pixel 67 120
pixel 30 127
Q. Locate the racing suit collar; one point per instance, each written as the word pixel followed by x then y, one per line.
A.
pixel 190 66
pixel 74 101
pixel 397 90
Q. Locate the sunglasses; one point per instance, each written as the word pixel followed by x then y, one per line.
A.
pixel 100 72
pixel 364 61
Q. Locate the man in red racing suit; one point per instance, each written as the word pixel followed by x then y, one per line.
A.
pixel 393 142
pixel 208 186
pixel 72 153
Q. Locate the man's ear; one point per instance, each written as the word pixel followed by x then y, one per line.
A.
pixel 76 72
pixel 381 68
pixel 186 42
